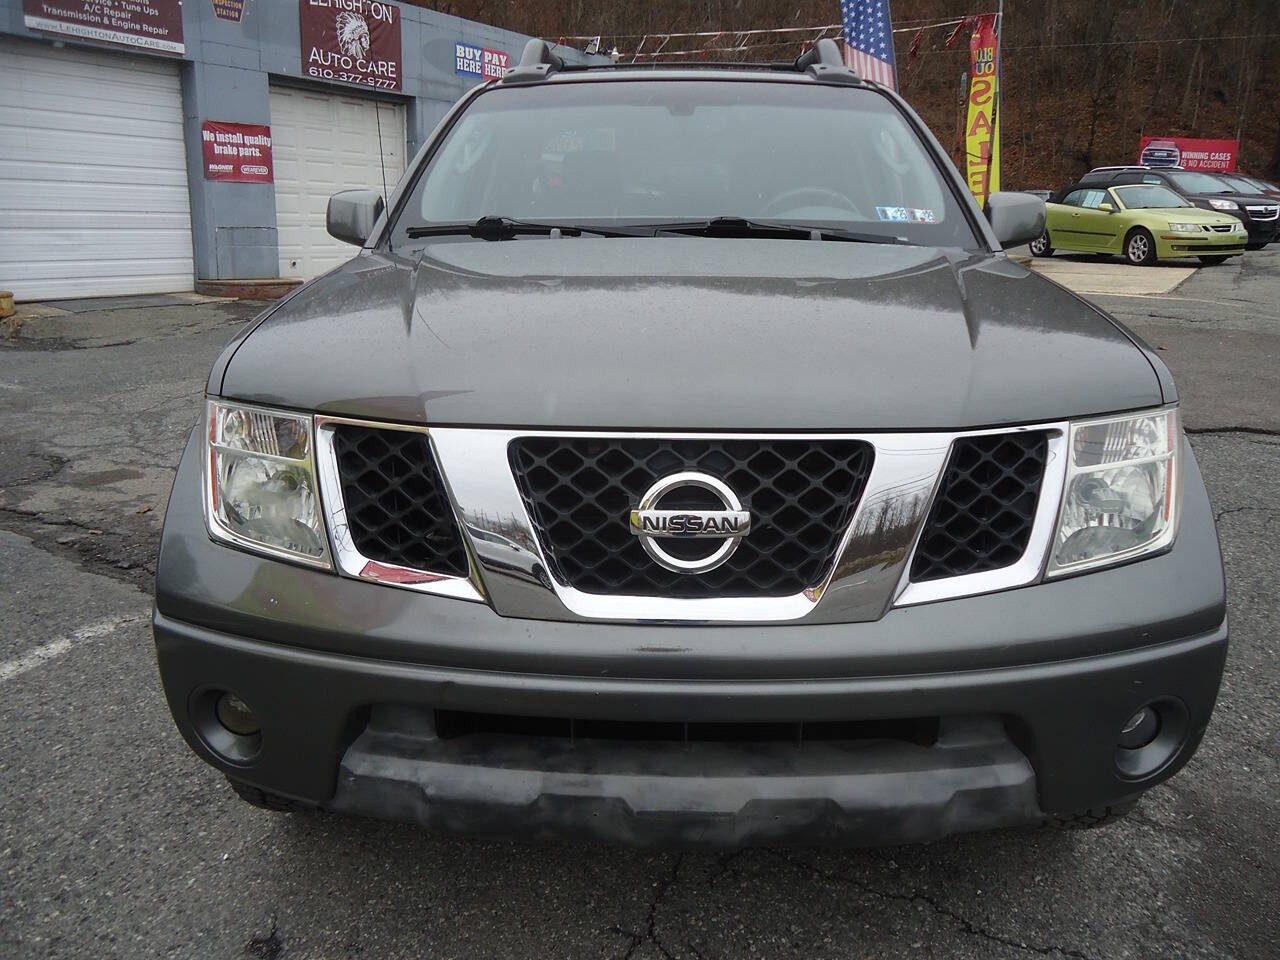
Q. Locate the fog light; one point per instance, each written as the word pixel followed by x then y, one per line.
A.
pixel 237 716
pixel 1140 729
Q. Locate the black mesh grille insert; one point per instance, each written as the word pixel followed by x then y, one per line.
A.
pixel 982 517
pixel 397 509
pixel 451 724
pixel 801 494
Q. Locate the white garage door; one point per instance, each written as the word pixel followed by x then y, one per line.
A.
pixel 322 143
pixel 93 176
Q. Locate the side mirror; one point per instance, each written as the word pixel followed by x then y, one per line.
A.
pixel 1106 208
pixel 352 214
pixel 1015 218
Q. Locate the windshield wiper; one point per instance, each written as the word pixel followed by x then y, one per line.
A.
pixel 504 228
pixel 742 227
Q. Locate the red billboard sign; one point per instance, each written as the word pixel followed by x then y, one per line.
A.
pixel 239 152
pixel 1213 156
pixel 351 41
pixel 152 25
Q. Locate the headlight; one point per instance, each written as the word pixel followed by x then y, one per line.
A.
pixel 1185 227
pixel 260 482
pixel 1122 491
pixel 1224 205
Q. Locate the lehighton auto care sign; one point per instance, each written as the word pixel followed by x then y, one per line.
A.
pixel 351 41
pixel 1212 156
pixel 149 24
pixel 472 61
pixel 239 152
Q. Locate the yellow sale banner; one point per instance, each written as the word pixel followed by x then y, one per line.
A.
pixel 982 131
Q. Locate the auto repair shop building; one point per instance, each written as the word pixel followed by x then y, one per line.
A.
pixel 149 145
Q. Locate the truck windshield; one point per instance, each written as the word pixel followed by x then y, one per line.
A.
pixel 643 152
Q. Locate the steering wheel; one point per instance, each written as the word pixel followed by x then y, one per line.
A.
pixel 784 201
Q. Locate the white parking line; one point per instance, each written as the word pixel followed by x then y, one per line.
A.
pixel 56 648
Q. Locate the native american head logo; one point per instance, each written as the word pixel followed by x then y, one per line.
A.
pixel 353 35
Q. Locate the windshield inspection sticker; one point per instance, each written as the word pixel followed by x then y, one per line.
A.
pixel 906 215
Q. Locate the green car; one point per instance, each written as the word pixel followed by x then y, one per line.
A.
pixel 1143 222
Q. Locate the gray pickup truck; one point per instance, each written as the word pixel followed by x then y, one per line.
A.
pixel 681 461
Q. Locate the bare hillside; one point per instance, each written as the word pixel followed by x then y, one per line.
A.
pixel 1084 79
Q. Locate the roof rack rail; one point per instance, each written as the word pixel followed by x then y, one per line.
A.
pixel 823 61
pixel 536 63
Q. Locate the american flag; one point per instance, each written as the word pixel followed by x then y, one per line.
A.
pixel 868 40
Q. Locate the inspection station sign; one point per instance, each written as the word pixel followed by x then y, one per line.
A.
pixel 352 41
pixel 472 61
pixel 232 10
pixel 149 24
pixel 238 152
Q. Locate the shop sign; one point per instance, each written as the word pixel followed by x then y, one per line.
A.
pixel 148 24
pixel 473 61
pixel 351 41
pixel 238 152
pixel 232 10
pixel 1212 156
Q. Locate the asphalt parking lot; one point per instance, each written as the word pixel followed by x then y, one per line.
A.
pixel 115 841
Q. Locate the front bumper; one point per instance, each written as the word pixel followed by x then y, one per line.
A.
pixel 1261 232
pixel 1030 687
pixel 1171 246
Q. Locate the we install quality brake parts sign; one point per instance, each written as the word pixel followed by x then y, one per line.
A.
pixel 149 24
pixel 238 152
pixel 351 41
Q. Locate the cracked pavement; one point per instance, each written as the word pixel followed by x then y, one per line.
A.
pixel 115 841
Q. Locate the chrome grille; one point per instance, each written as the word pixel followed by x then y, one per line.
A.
pixel 1264 212
pixel 397 510
pixel 801 494
pixel 982 516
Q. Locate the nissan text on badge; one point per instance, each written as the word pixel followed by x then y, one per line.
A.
pixel 680 461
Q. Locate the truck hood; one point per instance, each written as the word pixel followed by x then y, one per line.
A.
pixel 689 333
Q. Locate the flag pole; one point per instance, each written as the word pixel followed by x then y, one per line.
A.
pixel 999 154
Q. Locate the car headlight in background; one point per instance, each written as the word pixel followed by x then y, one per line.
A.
pixel 1122 491
pixel 1224 204
pixel 1185 228
pixel 260 482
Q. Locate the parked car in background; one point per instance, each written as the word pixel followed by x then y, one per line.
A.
pixel 1251 185
pixel 1141 222
pixel 1259 213
pixel 1161 153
